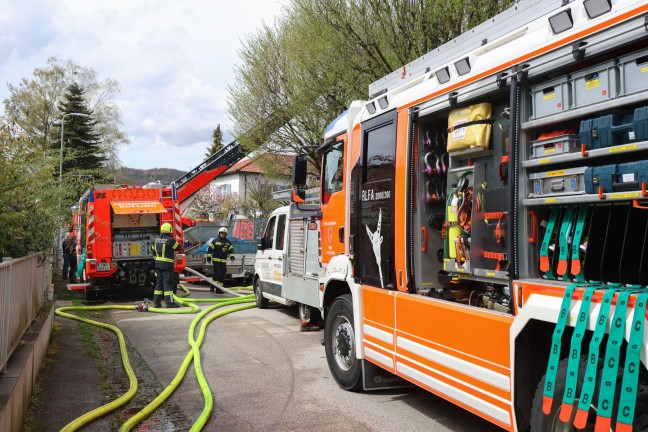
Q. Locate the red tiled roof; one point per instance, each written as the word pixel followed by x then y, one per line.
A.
pixel 249 165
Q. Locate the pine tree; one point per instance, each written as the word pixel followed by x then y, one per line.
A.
pixel 217 141
pixel 83 156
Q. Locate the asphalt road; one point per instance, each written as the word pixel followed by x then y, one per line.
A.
pixel 267 376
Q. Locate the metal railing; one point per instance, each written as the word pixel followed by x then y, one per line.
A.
pixel 24 284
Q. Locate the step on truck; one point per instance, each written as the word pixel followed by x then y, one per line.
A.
pixel 489 242
pixel 117 227
pixel 287 266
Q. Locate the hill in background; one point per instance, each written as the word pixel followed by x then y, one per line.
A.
pixel 139 177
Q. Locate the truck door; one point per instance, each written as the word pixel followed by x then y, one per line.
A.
pixel 373 210
pixel 270 259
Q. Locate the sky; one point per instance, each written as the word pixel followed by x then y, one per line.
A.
pixel 172 58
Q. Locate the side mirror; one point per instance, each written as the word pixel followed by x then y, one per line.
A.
pixel 299 170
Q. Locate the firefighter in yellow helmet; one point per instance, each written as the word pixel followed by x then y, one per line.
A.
pixel 164 250
pixel 220 248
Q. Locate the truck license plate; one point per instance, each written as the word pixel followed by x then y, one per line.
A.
pixel 103 267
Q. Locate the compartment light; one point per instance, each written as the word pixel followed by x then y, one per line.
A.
pixel 371 107
pixel 596 8
pixel 443 75
pixel 463 66
pixel 561 21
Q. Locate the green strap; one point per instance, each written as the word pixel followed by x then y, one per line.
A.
pixel 563 241
pixel 628 396
pixel 589 382
pixel 576 268
pixel 556 341
pixel 610 366
pixel 545 265
pixel 575 354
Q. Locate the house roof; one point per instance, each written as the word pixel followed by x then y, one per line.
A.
pixel 254 165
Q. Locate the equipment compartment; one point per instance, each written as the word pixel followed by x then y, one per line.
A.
pixel 614 129
pixel 551 97
pixel 595 84
pixel 634 72
pixel 558 182
pixel 561 144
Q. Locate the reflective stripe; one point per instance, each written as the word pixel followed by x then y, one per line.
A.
pixel 220 260
pixel 163 259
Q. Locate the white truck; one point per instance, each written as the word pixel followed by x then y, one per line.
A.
pixel 287 266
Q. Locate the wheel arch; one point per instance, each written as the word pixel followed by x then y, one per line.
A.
pixel 332 290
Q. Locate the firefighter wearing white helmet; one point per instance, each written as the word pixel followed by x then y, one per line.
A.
pixel 220 248
pixel 164 250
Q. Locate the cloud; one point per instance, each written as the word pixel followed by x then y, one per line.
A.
pixel 173 59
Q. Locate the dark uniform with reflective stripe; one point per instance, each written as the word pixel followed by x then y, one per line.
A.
pixel 164 251
pixel 221 248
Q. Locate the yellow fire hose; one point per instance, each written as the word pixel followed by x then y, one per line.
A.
pixel 194 353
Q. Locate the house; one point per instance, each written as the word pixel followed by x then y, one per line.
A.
pixel 239 177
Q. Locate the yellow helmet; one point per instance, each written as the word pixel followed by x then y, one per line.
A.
pixel 166 227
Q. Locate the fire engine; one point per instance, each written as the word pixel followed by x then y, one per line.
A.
pixel 117 225
pixel 490 239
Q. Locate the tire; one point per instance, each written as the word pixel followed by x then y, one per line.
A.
pixel 304 312
pixel 540 422
pixel 261 301
pixel 339 343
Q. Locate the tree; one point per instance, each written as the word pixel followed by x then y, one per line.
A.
pixel 217 141
pixel 83 158
pixel 213 204
pixel 33 105
pixel 259 202
pixel 28 197
pixel 299 74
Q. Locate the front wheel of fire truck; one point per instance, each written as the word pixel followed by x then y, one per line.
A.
pixel 541 422
pixel 261 301
pixel 339 340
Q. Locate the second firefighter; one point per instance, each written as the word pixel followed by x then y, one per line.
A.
pixel 220 248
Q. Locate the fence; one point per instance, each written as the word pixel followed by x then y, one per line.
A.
pixel 24 283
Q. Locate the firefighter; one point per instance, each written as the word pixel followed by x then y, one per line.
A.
pixel 220 248
pixel 164 251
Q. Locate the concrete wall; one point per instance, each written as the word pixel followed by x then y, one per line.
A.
pixel 19 379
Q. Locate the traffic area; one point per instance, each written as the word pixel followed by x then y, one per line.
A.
pixel 263 373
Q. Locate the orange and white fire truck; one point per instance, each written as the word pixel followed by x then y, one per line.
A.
pixel 490 239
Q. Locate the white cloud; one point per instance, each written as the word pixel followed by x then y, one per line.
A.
pixel 174 60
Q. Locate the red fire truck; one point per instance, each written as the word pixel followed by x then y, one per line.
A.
pixel 118 224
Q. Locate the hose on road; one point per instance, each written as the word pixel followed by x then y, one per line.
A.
pixel 246 301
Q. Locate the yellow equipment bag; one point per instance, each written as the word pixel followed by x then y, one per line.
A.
pixel 470 127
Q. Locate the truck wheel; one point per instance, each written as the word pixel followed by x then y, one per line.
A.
pixel 541 422
pixel 304 313
pixel 339 341
pixel 261 301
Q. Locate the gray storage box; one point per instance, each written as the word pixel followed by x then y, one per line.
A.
pixel 551 97
pixel 634 72
pixel 553 146
pixel 559 182
pixel 596 84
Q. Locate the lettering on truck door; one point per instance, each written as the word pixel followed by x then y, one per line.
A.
pixel 374 221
